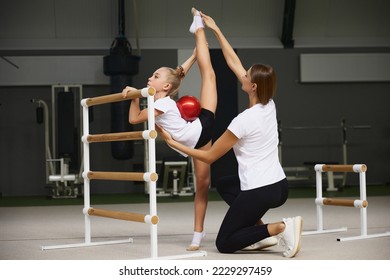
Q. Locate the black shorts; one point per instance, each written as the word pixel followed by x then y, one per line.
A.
pixel 207 119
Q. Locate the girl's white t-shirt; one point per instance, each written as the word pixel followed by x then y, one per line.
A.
pixel 257 148
pixel 187 133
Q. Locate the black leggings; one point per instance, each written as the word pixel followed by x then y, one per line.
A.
pixel 238 229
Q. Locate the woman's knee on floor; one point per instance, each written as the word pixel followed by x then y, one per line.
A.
pixel 223 246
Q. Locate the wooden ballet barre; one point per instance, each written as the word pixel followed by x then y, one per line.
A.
pixel 122 176
pixel 343 202
pixel 120 136
pixel 341 168
pixel 127 216
pixel 311 127
pixel 116 97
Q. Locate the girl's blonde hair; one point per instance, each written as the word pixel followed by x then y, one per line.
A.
pixel 174 77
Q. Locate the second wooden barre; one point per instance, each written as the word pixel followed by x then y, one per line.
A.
pixel 121 136
pixel 122 176
pixel 128 216
pixel 343 202
pixel 341 168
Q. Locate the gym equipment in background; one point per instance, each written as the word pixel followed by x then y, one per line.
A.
pixel 63 152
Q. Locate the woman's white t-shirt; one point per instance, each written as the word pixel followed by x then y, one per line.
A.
pixel 187 133
pixel 257 148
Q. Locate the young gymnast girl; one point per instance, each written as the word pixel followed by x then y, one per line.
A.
pixel 196 134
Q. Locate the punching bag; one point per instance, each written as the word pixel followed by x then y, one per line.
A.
pixel 120 65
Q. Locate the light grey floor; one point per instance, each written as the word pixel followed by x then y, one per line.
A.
pixel 23 230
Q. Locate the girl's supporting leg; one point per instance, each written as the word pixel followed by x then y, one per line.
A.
pixel 202 176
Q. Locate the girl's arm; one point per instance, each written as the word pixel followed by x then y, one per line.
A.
pixel 217 150
pixel 232 60
pixel 136 115
pixel 189 62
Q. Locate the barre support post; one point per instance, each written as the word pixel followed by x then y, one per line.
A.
pixel 361 203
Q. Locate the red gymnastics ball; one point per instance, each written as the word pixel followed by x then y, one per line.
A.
pixel 189 107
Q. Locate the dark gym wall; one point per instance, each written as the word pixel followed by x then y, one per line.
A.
pixel 22 163
pixel 58 32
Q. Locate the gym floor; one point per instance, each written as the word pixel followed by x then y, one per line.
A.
pixel 27 224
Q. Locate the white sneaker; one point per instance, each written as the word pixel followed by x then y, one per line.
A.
pixel 262 244
pixel 291 236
